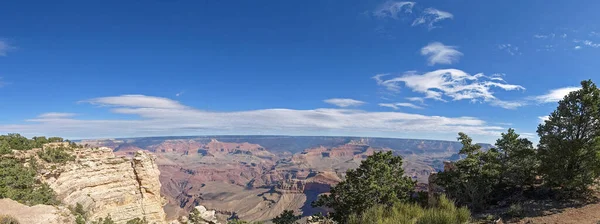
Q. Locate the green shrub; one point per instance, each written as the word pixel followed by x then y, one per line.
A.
pixel 5 148
pixel 106 220
pixel 409 213
pixel 515 210
pixel 19 183
pixel 56 155
pixel 378 180
pixel 138 221
pixel 6 219
pixel 286 217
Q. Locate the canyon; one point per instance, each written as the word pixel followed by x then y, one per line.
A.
pixel 257 177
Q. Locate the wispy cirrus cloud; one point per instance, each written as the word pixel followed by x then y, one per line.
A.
pixel 157 116
pixel 137 101
pixel 5 47
pixel 416 99
pixel 344 102
pixel 554 95
pixel 56 115
pixel 544 36
pixel 391 9
pixel 430 16
pixel 396 106
pixel 510 49
pixel 438 53
pixel 451 84
pixel 587 43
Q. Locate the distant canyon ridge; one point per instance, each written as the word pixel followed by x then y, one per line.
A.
pixel 257 177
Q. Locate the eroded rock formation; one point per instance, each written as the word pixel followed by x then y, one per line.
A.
pixel 107 185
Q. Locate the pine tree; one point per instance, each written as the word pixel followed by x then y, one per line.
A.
pixel 569 146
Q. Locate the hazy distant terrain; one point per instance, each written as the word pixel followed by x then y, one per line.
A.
pixel 257 177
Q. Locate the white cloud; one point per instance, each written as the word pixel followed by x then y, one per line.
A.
pixel 344 102
pixel 450 83
pixel 554 95
pixel 416 99
pixel 431 16
pixel 545 36
pixel 396 106
pixel 564 35
pixel 5 48
pixel 577 47
pixel 510 49
pixel 507 104
pixel 179 93
pixel 170 117
pixel 391 9
pixel 542 119
pixel 56 115
pixel 438 53
pixel 136 101
pixel 588 43
pixel 391 86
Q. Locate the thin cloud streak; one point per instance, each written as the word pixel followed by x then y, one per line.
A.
pixel 160 116
pixel 344 102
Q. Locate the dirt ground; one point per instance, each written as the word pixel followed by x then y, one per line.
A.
pixel 582 215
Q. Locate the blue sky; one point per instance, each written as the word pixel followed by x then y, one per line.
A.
pixel 423 69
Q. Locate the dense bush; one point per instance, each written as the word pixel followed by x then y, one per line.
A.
pixel 569 146
pixel 19 183
pixel 56 155
pixel 378 180
pixel 407 213
pixel 138 221
pixel 286 217
pixel 19 142
pixel 484 177
pixel 475 178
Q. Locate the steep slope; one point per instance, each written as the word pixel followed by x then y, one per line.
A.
pixel 104 184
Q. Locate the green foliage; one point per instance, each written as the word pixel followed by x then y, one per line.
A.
pixel 378 180
pixel 321 219
pixel 79 220
pixel 475 178
pixel 194 217
pixel 237 221
pixel 408 213
pixel 569 146
pixel 5 148
pixel 519 160
pixel 106 220
pixel 19 183
pixel 515 210
pixel 16 141
pixel 138 221
pixel 56 155
pixel 6 219
pixel 19 142
pixel 286 217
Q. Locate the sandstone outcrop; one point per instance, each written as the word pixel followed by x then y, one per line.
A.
pixel 46 214
pixel 107 185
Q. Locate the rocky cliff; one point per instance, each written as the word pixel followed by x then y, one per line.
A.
pixel 107 185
